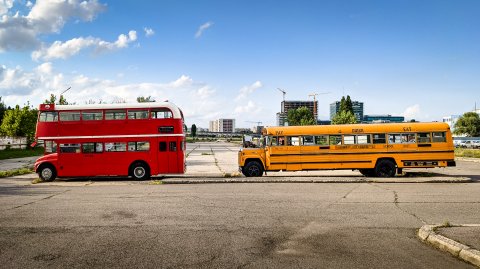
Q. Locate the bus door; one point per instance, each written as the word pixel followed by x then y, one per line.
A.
pixel 294 158
pixel 69 160
pixel 277 153
pixel 168 148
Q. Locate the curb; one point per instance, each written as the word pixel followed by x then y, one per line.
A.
pixel 427 234
pixel 200 180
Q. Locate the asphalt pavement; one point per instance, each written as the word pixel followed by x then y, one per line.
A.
pixel 97 222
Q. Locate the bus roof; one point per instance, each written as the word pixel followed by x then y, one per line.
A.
pixel 405 127
pixel 175 110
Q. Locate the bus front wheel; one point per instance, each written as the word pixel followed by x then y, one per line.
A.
pixel 139 171
pixel 253 169
pixel 47 172
pixel 385 168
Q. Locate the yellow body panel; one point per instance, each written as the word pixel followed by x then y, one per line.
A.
pixel 304 156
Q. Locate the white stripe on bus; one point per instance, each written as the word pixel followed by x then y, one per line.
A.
pixel 107 136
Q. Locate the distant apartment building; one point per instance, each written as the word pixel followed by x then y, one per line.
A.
pixel 357 109
pixel 222 126
pixel 451 120
pixel 382 118
pixel 288 105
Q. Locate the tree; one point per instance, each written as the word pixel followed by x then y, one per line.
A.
pixel 142 99
pixel 3 108
pixel 349 104
pixel 53 100
pixel 344 117
pixel 468 124
pixel 300 116
pixel 194 130
pixel 20 122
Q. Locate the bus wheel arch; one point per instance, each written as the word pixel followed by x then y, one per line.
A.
pixel 47 172
pixel 139 170
pixel 253 168
pixel 385 167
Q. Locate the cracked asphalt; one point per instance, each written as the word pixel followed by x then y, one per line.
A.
pixel 261 225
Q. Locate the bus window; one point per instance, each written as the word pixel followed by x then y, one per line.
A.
pixel 92 115
pixel 138 146
pixel 116 146
pixel 321 140
pixel 70 148
pixel 161 113
pixel 401 138
pixel 281 141
pixel 379 139
pixel 349 139
pixel 363 139
pixel 92 147
pixel 137 114
pixel 272 140
pixel 115 114
pixel 308 140
pixel 69 116
pixel 423 137
pixel 50 147
pixel 163 146
pixel 48 116
pixel 173 146
pixel 335 139
pixel 439 137
pixel 293 141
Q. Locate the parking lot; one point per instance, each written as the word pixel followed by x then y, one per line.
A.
pixel 123 223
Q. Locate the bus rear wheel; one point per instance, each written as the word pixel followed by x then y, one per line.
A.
pixel 385 168
pixel 368 172
pixel 47 172
pixel 139 171
pixel 253 169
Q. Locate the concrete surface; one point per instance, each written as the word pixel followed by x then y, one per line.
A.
pixel 447 238
pixel 17 163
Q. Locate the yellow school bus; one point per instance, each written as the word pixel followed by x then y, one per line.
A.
pixel 380 150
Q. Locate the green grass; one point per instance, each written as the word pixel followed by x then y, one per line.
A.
pixel 469 153
pixel 16 172
pixel 20 153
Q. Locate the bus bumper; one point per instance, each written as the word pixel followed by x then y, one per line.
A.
pixel 451 163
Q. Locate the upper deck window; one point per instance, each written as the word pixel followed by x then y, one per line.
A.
pixel 92 115
pixel 161 113
pixel 115 114
pixel 69 116
pixel 137 114
pixel 48 116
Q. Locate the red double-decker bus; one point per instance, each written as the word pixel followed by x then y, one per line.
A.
pixel 137 140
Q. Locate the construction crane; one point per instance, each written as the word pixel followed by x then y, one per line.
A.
pixel 284 92
pixel 315 102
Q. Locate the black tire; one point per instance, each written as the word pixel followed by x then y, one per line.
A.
pixel 385 168
pixel 139 171
pixel 253 169
pixel 367 172
pixel 47 172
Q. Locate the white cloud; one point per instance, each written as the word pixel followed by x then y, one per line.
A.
pixel 250 108
pixel 148 31
pixel 5 5
pixel 202 28
pixel 29 4
pixel 20 32
pixel 247 90
pixel 412 112
pixel 64 50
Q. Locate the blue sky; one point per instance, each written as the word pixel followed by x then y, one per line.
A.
pixel 225 59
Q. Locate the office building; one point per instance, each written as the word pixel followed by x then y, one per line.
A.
pixel 222 126
pixel 357 109
pixel 288 105
pixel 382 118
